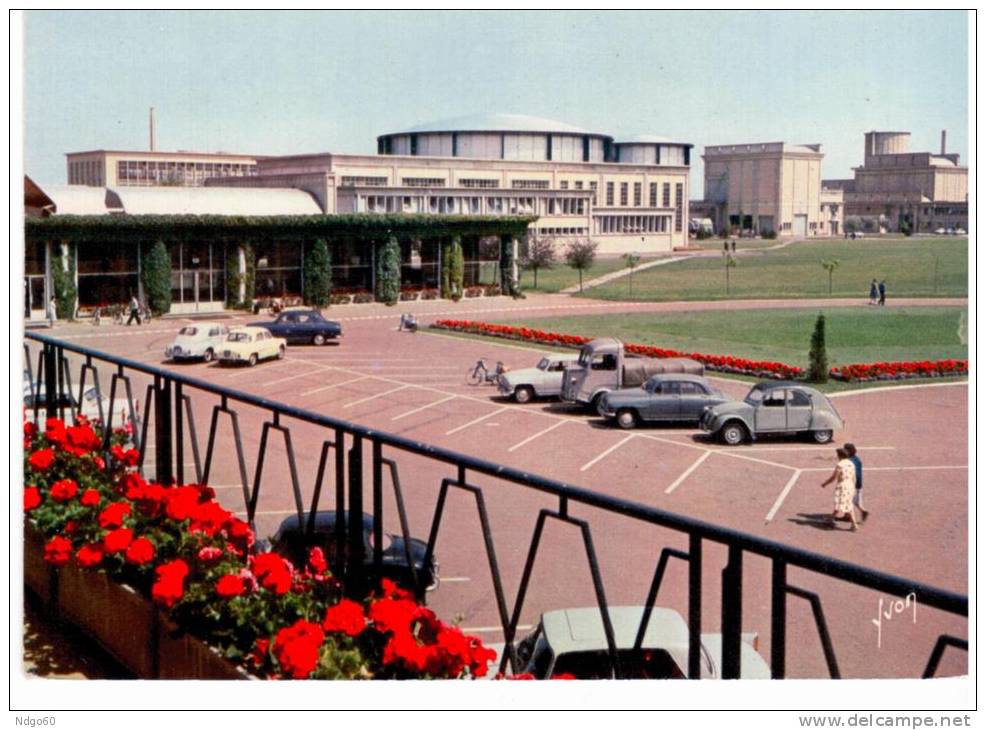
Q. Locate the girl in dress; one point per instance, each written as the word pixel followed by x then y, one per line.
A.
pixel 844 477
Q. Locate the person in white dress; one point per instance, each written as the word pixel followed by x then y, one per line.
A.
pixel 844 476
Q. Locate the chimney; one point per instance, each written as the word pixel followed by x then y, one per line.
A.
pixel 152 128
pixel 943 141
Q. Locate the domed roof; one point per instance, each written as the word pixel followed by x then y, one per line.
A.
pixel 498 123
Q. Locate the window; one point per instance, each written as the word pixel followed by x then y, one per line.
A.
pixel 563 185
pixel 578 184
pixel 666 196
pixel 595 192
pixel 530 184
pixel 468 182
pixel 604 362
pixel 799 399
pixel 349 181
pixel 653 195
pixel 609 193
pixel 423 182
pixel 637 194
pixel 624 194
pixel 692 389
pixel 679 189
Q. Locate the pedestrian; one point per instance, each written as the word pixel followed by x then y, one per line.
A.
pixel 725 246
pixel 844 476
pixel 733 244
pixel 857 499
pixel 134 310
pixel 883 292
pixel 52 311
pixel 873 292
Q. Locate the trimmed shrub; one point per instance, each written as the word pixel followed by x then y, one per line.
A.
pixel 318 275
pixel 63 280
pixel 456 269
pixel 156 276
pixel 389 272
pixel 818 367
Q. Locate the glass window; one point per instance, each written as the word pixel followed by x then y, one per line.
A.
pixel 798 398
pixel 191 331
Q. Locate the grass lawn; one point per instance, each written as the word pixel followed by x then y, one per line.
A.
pixel 867 334
pixel 907 264
pixel 742 244
pixel 561 276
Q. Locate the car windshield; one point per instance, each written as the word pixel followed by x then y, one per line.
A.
pixel 238 337
pixel 652 386
pixel 544 364
pixel 188 331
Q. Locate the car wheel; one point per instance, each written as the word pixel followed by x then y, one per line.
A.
pixel 821 437
pixel 594 403
pixel 523 394
pixel 208 355
pixel 626 418
pixel 733 434
pixel 280 352
pixel 318 339
pixel 253 359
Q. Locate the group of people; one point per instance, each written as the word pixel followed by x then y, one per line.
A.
pixel 848 478
pixel 878 292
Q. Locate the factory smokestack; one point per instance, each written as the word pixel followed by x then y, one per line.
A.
pixel 943 141
pixel 152 128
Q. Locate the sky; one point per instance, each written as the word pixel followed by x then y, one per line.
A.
pixel 271 83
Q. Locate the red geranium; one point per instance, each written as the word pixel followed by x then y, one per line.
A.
pixel 210 554
pixel 273 572
pixel 170 584
pixel 112 516
pixel 41 459
pixel 209 518
pixel 58 550
pixel 181 502
pixel 55 431
pixel 296 648
pixel 90 498
pixel 259 654
pixel 230 586
pixel 89 556
pixel 83 438
pixel 30 429
pixel 128 457
pixel 140 551
pixel 32 498
pixel 316 561
pixel 394 615
pixel 63 490
pixel 116 541
pixel 345 617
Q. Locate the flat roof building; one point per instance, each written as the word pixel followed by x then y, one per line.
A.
pixel 110 168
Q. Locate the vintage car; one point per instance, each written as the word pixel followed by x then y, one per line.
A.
pixel 670 397
pixel 573 642
pixel 291 541
pixel 250 345
pixel 197 341
pixel 774 407
pixel 541 381
pixel 301 326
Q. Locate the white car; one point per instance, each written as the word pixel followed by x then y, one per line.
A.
pixel 960 231
pixel 90 405
pixel 939 231
pixel 202 340
pixel 250 345
pixel 542 381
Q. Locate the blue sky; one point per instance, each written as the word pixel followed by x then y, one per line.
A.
pixel 291 82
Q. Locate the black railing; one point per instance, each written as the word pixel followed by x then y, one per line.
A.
pixel 174 422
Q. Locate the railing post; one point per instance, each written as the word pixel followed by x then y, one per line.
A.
pixel 51 381
pixel 694 606
pixel 179 437
pixel 162 430
pixel 354 529
pixel 732 613
pixel 778 619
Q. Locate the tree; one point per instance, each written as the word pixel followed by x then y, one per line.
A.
pixel 580 255
pixel 63 281
pixel 631 260
pixel 830 265
pixel 730 262
pixel 156 276
pixel 456 269
pixel 818 365
pixel 389 272
pixel 540 254
pixel 318 275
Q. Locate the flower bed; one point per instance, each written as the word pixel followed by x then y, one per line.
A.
pixel 900 370
pixel 181 575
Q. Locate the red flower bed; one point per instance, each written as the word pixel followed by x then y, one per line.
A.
pixel 194 558
pixel 900 370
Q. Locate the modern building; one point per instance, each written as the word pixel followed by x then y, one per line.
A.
pixel 112 168
pixel 896 189
pixel 769 187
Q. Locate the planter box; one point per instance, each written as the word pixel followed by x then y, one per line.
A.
pixel 39 577
pixel 184 657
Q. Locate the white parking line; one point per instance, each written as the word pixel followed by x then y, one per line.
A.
pixel 677 482
pixel 814 448
pixel 422 408
pixel 783 495
pixel 478 420
pixel 456 579
pixel 291 377
pixel 607 452
pixel 867 469
pixel 250 371
pixel 373 397
pixel 334 385
pixel 528 440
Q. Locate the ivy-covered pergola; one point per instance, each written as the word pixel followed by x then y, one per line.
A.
pixel 96 260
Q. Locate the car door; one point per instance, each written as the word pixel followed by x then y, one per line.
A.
pixel 286 326
pixel 693 399
pixel 799 411
pixel 770 413
pixel 306 327
pixel 663 402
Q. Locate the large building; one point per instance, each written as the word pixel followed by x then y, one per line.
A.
pixel 628 195
pixel 769 187
pixel 897 189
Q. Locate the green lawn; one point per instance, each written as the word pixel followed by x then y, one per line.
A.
pixel 561 276
pixel 908 265
pixel 866 334
pixel 742 244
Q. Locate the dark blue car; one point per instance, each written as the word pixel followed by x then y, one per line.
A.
pixel 300 326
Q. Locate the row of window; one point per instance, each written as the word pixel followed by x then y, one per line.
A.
pixel 423 182
pixel 566 206
pixel 154 172
pixel 563 231
pixel 604 224
pixel 678 205
pixel 85 172
pixel 351 181
pixel 447 204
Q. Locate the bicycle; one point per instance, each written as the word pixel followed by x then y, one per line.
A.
pixel 480 373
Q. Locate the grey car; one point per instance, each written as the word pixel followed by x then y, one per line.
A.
pixel 774 407
pixel 669 397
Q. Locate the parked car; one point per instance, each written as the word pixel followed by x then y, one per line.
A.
pixel 291 542
pixel 250 345
pixel 773 407
pixel 301 326
pixel 542 381
pixel 197 341
pixel 670 397
pixel 573 642
pixel 940 231
pixel 90 408
pixel 960 231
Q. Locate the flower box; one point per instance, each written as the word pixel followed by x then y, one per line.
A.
pixel 39 577
pixel 181 656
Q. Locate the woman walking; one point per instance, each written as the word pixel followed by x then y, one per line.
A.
pixel 844 477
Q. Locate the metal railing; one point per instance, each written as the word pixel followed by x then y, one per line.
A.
pixel 174 421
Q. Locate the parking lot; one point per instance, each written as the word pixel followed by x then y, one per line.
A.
pixel 913 441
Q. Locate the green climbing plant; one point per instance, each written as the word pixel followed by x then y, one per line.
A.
pixel 389 272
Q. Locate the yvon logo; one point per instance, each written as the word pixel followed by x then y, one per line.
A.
pixel 894 608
